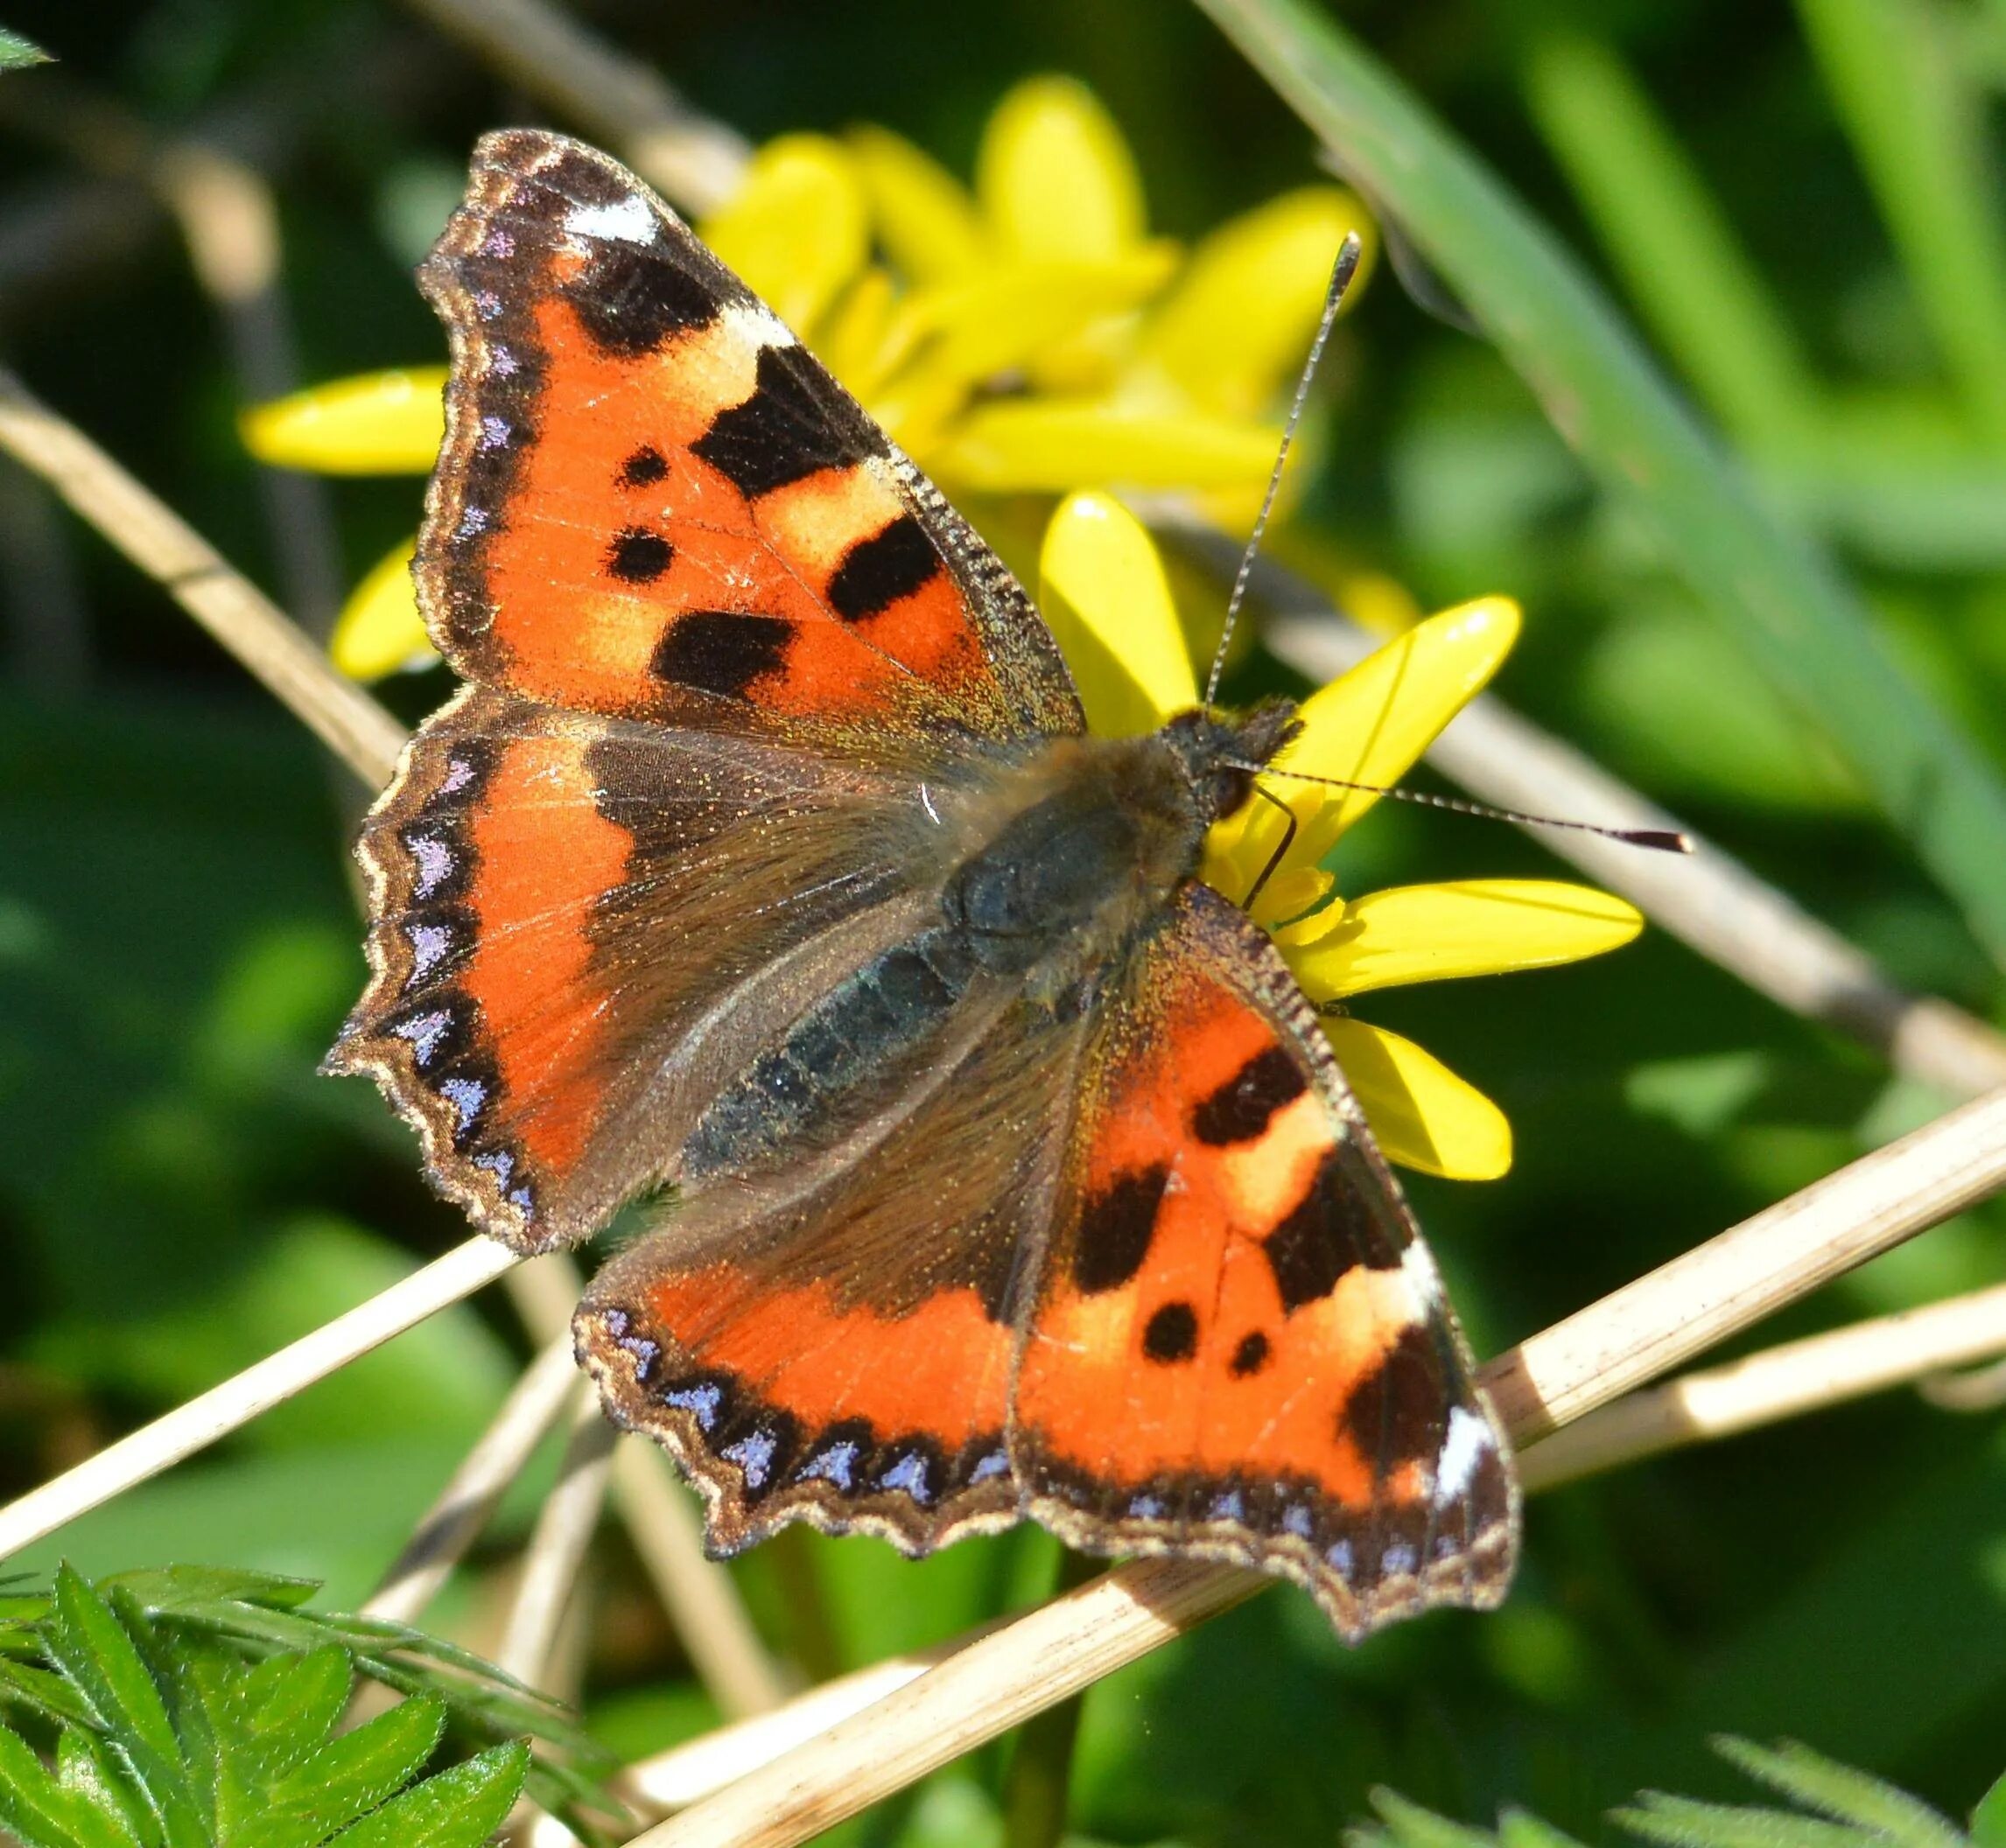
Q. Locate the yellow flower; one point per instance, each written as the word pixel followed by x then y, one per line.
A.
pixel 1028 336
pixel 1103 591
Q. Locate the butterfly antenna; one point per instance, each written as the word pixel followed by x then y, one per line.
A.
pixel 1660 840
pixel 1341 274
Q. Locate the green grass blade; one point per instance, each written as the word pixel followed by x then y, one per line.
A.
pixel 1802 626
pixel 1686 272
pixel 1918 130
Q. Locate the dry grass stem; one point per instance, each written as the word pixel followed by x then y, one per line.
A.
pixel 1784 1252
pixel 617 100
pixel 554 1557
pixel 229 606
pixel 660 1515
pixel 1592 1357
pixel 1982 1390
pixel 994 1683
pixel 467 1502
pixel 222 1409
pixel 1779 1382
pixel 1709 900
pixel 702 1601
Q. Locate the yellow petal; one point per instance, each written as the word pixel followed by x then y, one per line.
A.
pixel 797 229
pixel 377 423
pixel 1103 593
pixel 925 218
pixel 1005 316
pixel 379 629
pixel 1463 927
pixel 1233 334
pixel 1371 725
pixel 862 342
pixel 1047 445
pixel 1054 177
pixel 1423 1116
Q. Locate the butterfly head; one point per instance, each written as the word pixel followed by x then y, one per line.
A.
pixel 1221 756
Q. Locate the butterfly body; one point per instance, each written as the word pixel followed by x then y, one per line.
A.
pixel 767 867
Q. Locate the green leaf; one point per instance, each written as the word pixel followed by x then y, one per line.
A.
pixel 460 1808
pixel 1988 1819
pixel 1410 1826
pixel 42 1690
pixel 1819 1783
pixel 37 1808
pixel 1681 1822
pixel 88 1644
pixel 17 53
pixel 1803 627
pixel 349 1776
pixel 1520 1829
pixel 172 1588
pixel 88 1767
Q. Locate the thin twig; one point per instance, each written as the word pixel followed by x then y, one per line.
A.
pixel 694 161
pixel 555 1557
pixel 660 1516
pixel 700 1595
pixel 1587 1359
pixel 1784 1252
pixel 231 608
pixel 1709 900
pixel 1779 1382
pixel 214 1414
pixel 467 1502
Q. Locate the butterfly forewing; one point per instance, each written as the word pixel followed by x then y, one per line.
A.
pixel 652 498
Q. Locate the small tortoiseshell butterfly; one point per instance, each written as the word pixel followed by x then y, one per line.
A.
pixel 765 859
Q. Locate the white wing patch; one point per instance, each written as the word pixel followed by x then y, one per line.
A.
pixel 1466 1443
pixel 631 220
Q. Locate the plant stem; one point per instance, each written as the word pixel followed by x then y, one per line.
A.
pixel 1037 1787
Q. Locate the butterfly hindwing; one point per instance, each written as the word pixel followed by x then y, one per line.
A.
pixel 839 1349
pixel 653 501
pixel 1240 1347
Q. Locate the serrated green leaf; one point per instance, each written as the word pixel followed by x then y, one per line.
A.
pixel 174 1588
pixel 42 1690
pixel 17 53
pixel 1838 1790
pixel 1681 1822
pixel 90 1645
pixel 87 1766
pixel 1411 1826
pixel 459 1808
pixel 1988 1819
pixel 349 1776
pixel 1521 1828
pixel 44 1815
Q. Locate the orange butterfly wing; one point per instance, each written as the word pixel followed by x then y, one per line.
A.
pixel 653 502
pixel 1240 1348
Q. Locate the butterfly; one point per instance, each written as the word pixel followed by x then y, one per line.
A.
pixel 763 867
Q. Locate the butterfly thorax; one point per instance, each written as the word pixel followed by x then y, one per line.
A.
pixel 1064 886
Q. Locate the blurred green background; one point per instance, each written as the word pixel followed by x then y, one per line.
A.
pixel 1812 237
